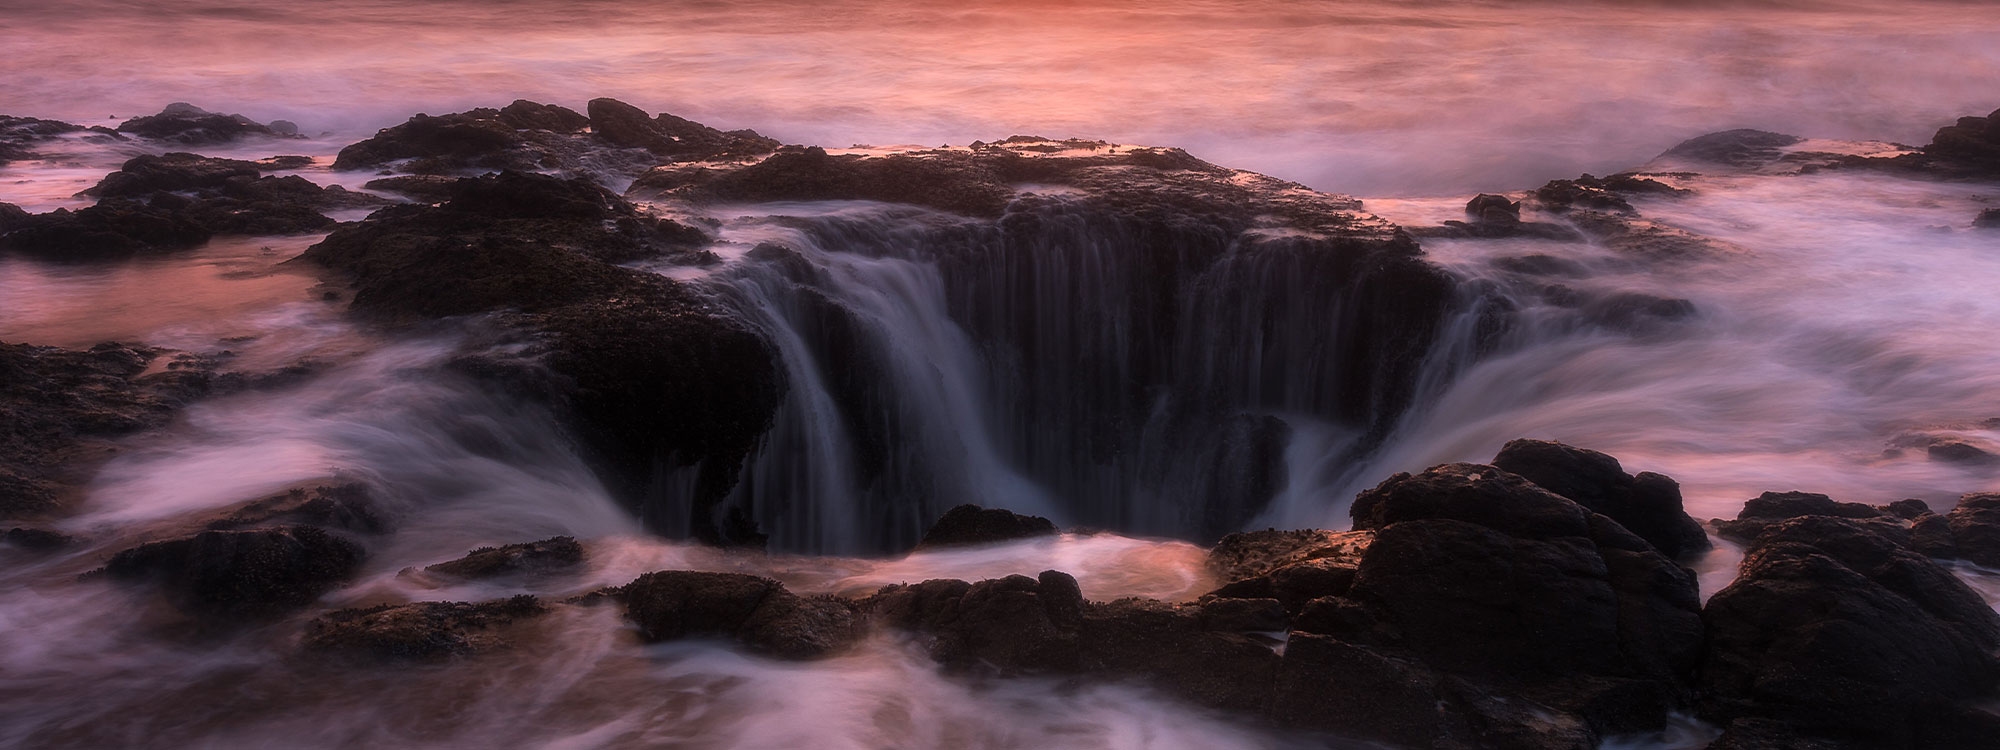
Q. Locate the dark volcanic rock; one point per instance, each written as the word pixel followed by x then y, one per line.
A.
pixel 971 524
pixel 1011 625
pixel 666 135
pixel 650 374
pixel 524 135
pixel 1648 505
pixel 187 124
pixel 1481 573
pixel 348 507
pixel 142 175
pixel 1494 217
pixel 18 135
pixel 1772 507
pixel 1745 148
pixel 1600 194
pixel 1842 632
pixel 1987 219
pixel 37 540
pixel 424 188
pixel 1975 528
pixel 115 228
pixel 420 630
pixel 1255 553
pixel 1960 452
pixel 235 574
pixel 1969 147
pixel 58 407
pixel 487 562
pixel 756 612
pixel 177 201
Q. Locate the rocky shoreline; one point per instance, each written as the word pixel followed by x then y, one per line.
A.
pixel 1539 601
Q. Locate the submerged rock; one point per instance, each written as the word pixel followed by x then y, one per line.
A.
pixel 1844 633
pixel 487 562
pixel 242 574
pixel 757 613
pixel 1743 149
pixel 347 507
pixel 60 407
pixel 36 540
pixel 18 136
pixel 1987 219
pixel 1648 505
pixel 419 631
pixel 971 524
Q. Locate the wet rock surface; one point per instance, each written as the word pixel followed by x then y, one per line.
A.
pixel 1648 504
pixel 1843 633
pixel 487 562
pixel 186 124
pixel 242 574
pixel 420 631
pixel 1743 148
pixel 650 373
pixel 622 124
pixel 60 407
pixel 758 613
pixel 1771 508
pixel 19 135
pixel 971 524
pixel 177 201
pixel 347 507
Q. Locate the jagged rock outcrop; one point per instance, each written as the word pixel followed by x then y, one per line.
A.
pixel 186 124
pixel 18 136
pixel 1772 508
pixel 1648 504
pixel 971 524
pixel 1967 148
pixel 177 201
pixel 666 135
pixel 1844 635
pixel 60 407
pixel 649 373
pixel 523 135
pixel 487 562
pixel 242 574
pixel 1484 575
pixel 420 631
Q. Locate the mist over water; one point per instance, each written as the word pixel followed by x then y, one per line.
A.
pixel 1359 97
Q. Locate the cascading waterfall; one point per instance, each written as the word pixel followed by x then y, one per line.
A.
pixel 1107 370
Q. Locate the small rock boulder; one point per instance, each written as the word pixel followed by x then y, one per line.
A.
pixel 260 573
pixel 348 507
pixel 971 524
pixel 420 631
pixel 1648 505
pixel 1842 632
pixel 1987 219
pixel 1770 508
pixel 487 562
pixel 624 125
pixel 186 124
pixel 757 613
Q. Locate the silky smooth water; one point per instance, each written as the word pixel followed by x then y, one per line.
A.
pixel 1856 318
